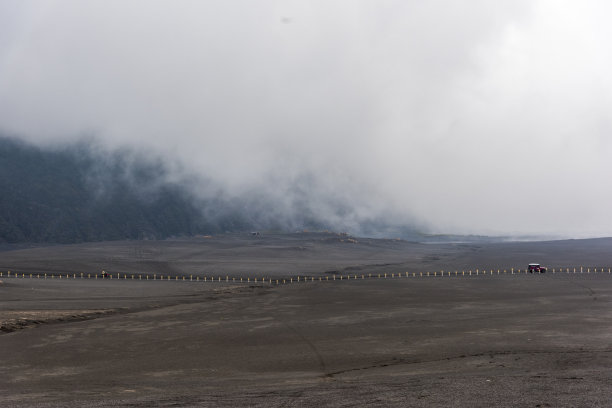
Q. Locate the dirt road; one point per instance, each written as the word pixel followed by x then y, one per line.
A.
pixel 503 340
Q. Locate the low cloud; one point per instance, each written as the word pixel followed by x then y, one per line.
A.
pixel 462 118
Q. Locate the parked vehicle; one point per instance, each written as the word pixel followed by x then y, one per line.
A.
pixel 534 267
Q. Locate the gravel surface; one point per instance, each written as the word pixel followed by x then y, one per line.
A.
pixel 528 340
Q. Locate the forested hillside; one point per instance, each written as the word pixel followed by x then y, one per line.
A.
pixel 73 194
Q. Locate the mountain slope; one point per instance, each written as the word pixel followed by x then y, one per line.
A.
pixel 73 195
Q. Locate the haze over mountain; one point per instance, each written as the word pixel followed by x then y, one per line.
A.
pixel 77 194
pixel 80 192
pixel 449 117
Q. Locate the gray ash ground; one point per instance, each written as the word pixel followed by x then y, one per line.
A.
pixel 542 340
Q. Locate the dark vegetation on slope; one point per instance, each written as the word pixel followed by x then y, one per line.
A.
pixel 77 194
pixel 80 192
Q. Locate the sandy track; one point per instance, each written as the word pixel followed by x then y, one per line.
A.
pixel 513 340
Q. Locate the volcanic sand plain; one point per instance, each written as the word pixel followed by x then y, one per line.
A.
pixel 487 339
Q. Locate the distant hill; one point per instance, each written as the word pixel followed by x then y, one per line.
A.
pixel 81 193
pixel 74 194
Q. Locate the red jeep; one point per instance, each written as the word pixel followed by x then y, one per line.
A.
pixel 534 267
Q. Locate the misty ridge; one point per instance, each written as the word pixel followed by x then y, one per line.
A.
pixel 360 117
pixel 80 192
pixel 73 194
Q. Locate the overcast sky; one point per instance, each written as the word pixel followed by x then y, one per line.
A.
pixel 490 117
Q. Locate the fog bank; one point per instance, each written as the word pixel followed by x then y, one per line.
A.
pixel 477 118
